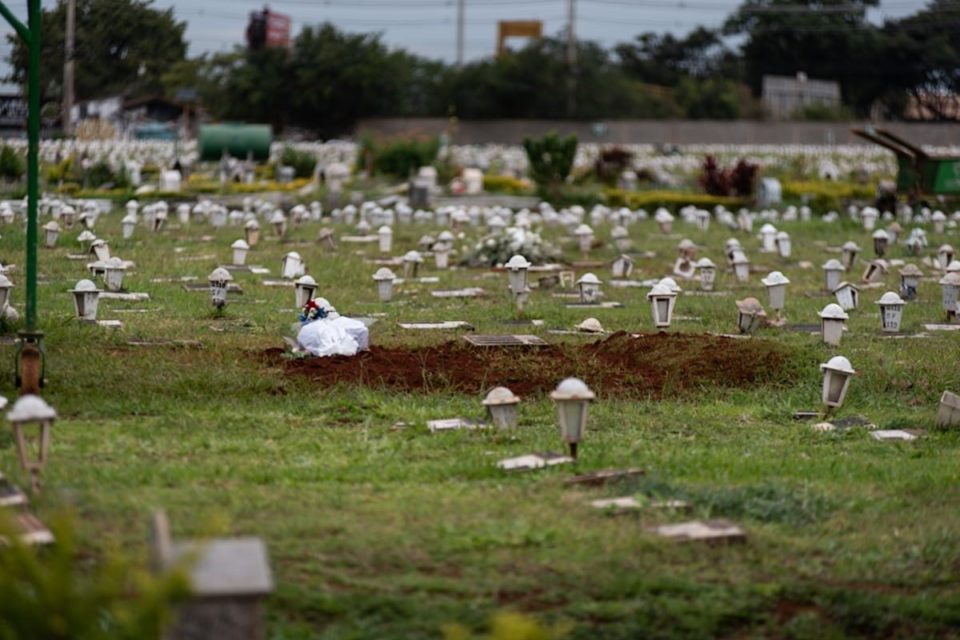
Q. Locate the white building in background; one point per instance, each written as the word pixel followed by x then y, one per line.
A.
pixel 783 96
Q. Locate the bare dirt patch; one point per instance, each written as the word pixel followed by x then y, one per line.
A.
pixel 622 365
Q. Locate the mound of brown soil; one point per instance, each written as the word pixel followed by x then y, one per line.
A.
pixel 620 365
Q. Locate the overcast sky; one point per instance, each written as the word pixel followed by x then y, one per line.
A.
pixel 428 27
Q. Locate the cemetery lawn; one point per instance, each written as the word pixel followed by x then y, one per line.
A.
pixel 376 531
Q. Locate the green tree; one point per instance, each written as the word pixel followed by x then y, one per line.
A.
pixel 122 47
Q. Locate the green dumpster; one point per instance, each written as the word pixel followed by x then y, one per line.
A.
pixel 239 140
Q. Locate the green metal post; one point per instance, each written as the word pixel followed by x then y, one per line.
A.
pixel 33 159
pixel 30 351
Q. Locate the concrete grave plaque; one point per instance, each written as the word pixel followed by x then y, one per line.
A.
pixel 506 341
pixel 631 503
pixel 623 284
pixel 127 297
pixel 174 279
pixel 447 324
pixel 277 283
pixel 905 435
pixel 701 531
pixel 948 413
pixel 260 271
pixel 471 292
pixel 533 461
pixel 594 305
pixel 942 327
pixel 206 256
pixel 454 424
pixel 604 476
pixel 10 494
pixel 29 529
pixel 232 287
pixel 110 324
pixel 360 239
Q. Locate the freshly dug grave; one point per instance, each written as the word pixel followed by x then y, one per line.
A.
pixel 622 365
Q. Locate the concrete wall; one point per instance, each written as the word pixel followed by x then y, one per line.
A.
pixel 663 131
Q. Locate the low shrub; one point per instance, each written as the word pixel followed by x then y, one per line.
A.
pixel 398 157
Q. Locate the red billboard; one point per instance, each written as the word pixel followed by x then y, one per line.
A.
pixel 268 29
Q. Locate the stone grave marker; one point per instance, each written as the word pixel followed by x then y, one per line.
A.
pixel 533 461
pixel 604 477
pixel 443 325
pixel 516 340
pixel 470 292
pixel 454 424
pixel 631 503
pixel 905 435
pixel 701 531
pixel 948 413
pixel 232 287
pixel 126 296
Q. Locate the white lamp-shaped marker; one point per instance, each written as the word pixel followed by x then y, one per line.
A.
pixel 622 266
pixel 910 281
pixel 51 232
pixel 949 293
pixel 240 250
pixel 893 232
pixel 584 238
pixel 664 219
pixel 279 222
pixel 730 249
pixel 68 215
pixel 251 230
pixel 768 238
pixel 671 284
pixel 848 254
pixel 939 219
pixel 384 278
pixel 869 217
pixel 848 296
pixel 128 225
pixel 517 270
pixel 875 271
pixel 686 249
pixel 621 238
pixel 944 255
pixel 411 264
pixel 891 311
pixel 113 272
pixel 741 266
pixel 32 411
pixel 784 244
pixel 703 219
pixel 385 239
pixel 501 404
pixel 183 214
pixel 100 249
pixel 292 266
pixel 776 284
pixel 305 288
pixel 5 287
pixel 86 298
pixel 661 299
pixel 836 379
pixel 85 238
pixel 880 242
pixel 572 397
pixel 219 280
pixel 327 238
pixel 832 321
pixel 589 287
pixel 441 255
pixel 750 315
pixel 708 273
pixel 832 272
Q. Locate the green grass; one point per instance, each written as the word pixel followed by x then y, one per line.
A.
pixel 376 532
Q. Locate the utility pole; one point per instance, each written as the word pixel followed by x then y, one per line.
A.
pixel 461 10
pixel 68 83
pixel 571 58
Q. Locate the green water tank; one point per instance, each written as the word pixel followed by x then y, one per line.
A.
pixel 238 140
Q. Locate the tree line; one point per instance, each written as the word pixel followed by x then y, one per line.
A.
pixel 329 78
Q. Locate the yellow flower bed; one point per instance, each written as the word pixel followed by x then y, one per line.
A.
pixel 507 184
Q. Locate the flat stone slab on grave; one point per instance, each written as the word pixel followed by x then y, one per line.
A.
pixel 631 503
pixel 533 461
pixel 206 256
pixel 135 310
pixel 566 295
pixel 110 324
pixel 166 280
pixel 603 477
pixel 29 529
pixel 470 292
pixel 277 283
pixel 522 323
pixel 76 256
pixel 423 280
pixel 701 531
pixel 623 284
pixel 385 262
pixel 806 415
pixel 10 494
pixel 129 296
pixel 942 327
pixel 904 435
pixel 232 287
pixel 594 305
pixel 360 239
pixel 454 424
pixel 515 340
pixel 706 294
pixel 260 271
pixel 575 332
pixel 446 325
pixel 803 328
pixel 246 268
pixel 226 567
